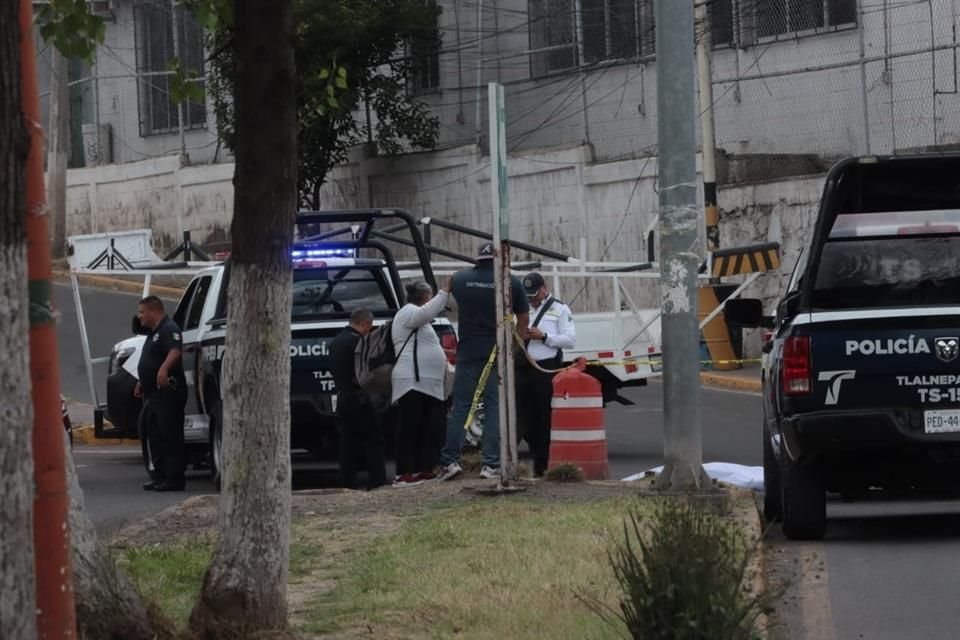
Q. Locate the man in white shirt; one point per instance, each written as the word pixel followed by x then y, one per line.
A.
pixel 551 331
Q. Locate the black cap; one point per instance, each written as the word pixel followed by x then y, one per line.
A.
pixel 486 251
pixel 532 283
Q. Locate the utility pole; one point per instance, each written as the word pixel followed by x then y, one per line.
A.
pixel 176 19
pixel 58 133
pixel 501 277
pixel 51 503
pixel 708 137
pixel 679 246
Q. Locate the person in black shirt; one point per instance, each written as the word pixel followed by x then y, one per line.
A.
pixel 474 291
pixel 163 387
pixel 360 423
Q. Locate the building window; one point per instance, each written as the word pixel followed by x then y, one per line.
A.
pixel 781 17
pixel 155 22
pixel 610 30
pixel 721 22
pixel 424 55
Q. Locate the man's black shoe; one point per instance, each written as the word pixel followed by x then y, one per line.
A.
pixel 149 486
pixel 169 486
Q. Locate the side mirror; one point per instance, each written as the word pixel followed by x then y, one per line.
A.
pixel 788 307
pixel 744 313
pixel 137 328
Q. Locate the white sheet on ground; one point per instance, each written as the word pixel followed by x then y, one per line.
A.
pixel 736 474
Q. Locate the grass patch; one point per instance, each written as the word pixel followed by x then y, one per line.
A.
pixel 565 472
pixel 499 569
pixel 169 575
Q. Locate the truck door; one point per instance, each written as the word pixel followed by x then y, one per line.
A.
pixel 190 323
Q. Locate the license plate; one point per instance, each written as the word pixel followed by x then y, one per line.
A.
pixel 941 421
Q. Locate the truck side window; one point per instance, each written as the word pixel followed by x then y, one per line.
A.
pixel 199 299
pixel 181 313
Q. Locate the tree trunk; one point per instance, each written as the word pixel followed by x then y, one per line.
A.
pixel 108 605
pixel 17 585
pixel 244 589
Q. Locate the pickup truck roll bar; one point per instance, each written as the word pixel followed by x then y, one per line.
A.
pixel 368 217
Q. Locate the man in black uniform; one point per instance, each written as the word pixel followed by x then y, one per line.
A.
pixel 360 424
pixel 163 387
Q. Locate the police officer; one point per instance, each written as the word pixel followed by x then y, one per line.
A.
pixel 163 387
pixel 477 328
pixel 360 424
pixel 551 331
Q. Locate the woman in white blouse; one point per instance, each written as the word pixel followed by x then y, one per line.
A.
pixel 417 381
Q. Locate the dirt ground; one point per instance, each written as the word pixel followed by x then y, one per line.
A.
pixel 198 515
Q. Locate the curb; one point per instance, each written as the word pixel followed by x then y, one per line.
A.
pixel 722 381
pixel 83 434
pixel 117 284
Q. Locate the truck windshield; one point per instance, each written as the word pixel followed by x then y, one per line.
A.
pixel 888 259
pixel 337 291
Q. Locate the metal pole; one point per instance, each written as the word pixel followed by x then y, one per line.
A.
pixel 479 105
pixel 84 340
pixel 863 81
pixel 176 54
pixel 680 246
pixel 59 132
pixel 501 236
pixel 708 142
pixel 581 64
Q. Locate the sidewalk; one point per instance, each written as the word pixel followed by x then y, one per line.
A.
pixel 81 417
pixel 745 379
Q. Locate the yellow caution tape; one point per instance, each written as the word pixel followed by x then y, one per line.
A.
pixel 488 368
pixel 484 376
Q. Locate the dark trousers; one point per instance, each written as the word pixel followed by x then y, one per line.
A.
pixel 420 432
pixel 164 432
pixel 361 436
pixel 534 396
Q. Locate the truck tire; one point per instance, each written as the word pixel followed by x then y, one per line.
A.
pixel 804 500
pixel 216 442
pixel 772 492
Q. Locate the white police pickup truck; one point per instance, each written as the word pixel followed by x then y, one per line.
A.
pixel 327 287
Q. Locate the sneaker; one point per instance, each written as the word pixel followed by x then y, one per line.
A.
pixel 407 480
pixel 489 473
pixel 450 471
pixel 426 475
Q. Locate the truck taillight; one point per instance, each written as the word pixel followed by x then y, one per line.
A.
pixel 628 366
pixel 448 341
pixel 796 366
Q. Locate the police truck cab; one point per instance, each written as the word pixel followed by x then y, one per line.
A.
pixel 861 381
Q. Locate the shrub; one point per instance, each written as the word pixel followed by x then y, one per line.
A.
pixel 684 576
pixel 565 472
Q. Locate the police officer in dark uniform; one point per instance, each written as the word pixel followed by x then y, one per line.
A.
pixel 360 427
pixel 163 387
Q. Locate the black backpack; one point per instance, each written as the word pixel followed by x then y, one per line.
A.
pixel 373 362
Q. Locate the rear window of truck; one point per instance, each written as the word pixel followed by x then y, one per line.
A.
pixel 886 259
pixel 337 291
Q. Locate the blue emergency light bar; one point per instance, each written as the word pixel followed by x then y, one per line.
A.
pixel 312 251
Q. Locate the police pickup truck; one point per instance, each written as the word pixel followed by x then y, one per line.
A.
pixel 861 380
pixel 327 286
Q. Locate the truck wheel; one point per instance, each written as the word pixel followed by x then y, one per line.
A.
pixel 144 440
pixel 772 509
pixel 216 442
pixel 804 500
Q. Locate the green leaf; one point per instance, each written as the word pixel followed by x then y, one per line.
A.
pixel 330 90
pixel 332 102
pixel 324 73
pixel 342 72
pixel 341 83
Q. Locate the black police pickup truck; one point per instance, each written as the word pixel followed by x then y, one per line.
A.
pixel 861 381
